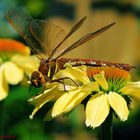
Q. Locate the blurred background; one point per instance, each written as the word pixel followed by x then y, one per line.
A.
pixel 120 44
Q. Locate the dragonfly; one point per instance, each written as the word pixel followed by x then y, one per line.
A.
pixel 49 42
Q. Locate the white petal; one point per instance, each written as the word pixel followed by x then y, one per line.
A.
pixel 97 110
pixel 13 73
pixel 4 88
pixel 119 105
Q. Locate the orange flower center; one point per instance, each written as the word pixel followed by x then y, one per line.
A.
pixel 9 45
pixel 110 72
pixel 115 77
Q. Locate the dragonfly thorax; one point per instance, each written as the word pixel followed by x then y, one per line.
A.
pixel 48 68
pixel 45 73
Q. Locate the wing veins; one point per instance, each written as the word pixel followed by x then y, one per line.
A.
pixel 85 39
pixel 20 21
pixel 74 28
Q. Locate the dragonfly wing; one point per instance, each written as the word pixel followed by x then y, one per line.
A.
pixel 61 45
pixel 20 21
pixel 84 39
pixel 47 33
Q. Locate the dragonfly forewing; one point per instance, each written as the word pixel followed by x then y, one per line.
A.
pixel 20 21
pixel 48 34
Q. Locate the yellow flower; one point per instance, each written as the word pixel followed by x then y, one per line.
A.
pixel 15 61
pixel 99 89
pixel 112 81
pixel 56 90
pixel 108 81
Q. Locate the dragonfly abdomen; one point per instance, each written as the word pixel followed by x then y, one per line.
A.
pixel 92 62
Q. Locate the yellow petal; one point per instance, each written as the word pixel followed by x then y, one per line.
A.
pixel 68 101
pixel 41 99
pixel 73 97
pixel 3 85
pixel 13 73
pixel 75 73
pixel 97 110
pixel 27 63
pixel 101 80
pixel 132 89
pixel 119 105
pixel 135 95
pixel 88 87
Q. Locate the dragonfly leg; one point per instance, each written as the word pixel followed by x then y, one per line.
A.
pixel 61 80
pixel 65 78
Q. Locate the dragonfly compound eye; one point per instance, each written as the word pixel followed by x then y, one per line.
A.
pixel 37 79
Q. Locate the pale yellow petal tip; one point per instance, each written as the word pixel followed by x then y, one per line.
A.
pixel 124 115
pixel 31 117
pixel 54 115
pixel 119 105
pixel 3 96
pixel 30 100
pixel 124 118
pixel 55 112
pixel 29 82
pixel 97 110
pixel 91 125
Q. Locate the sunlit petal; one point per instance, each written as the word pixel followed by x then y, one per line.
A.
pixel 97 110
pixel 68 101
pixel 92 86
pixel 41 99
pixel 132 89
pixel 74 73
pixel 101 80
pixel 13 73
pixel 27 63
pixel 3 85
pixel 119 105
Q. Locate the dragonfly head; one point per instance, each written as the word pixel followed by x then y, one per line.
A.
pixel 37 79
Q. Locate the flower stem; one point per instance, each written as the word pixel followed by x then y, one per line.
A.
pixel 106 128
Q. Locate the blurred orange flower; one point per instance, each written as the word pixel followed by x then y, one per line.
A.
pixel 15 62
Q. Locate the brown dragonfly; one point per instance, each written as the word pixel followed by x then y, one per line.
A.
pixel 49 42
